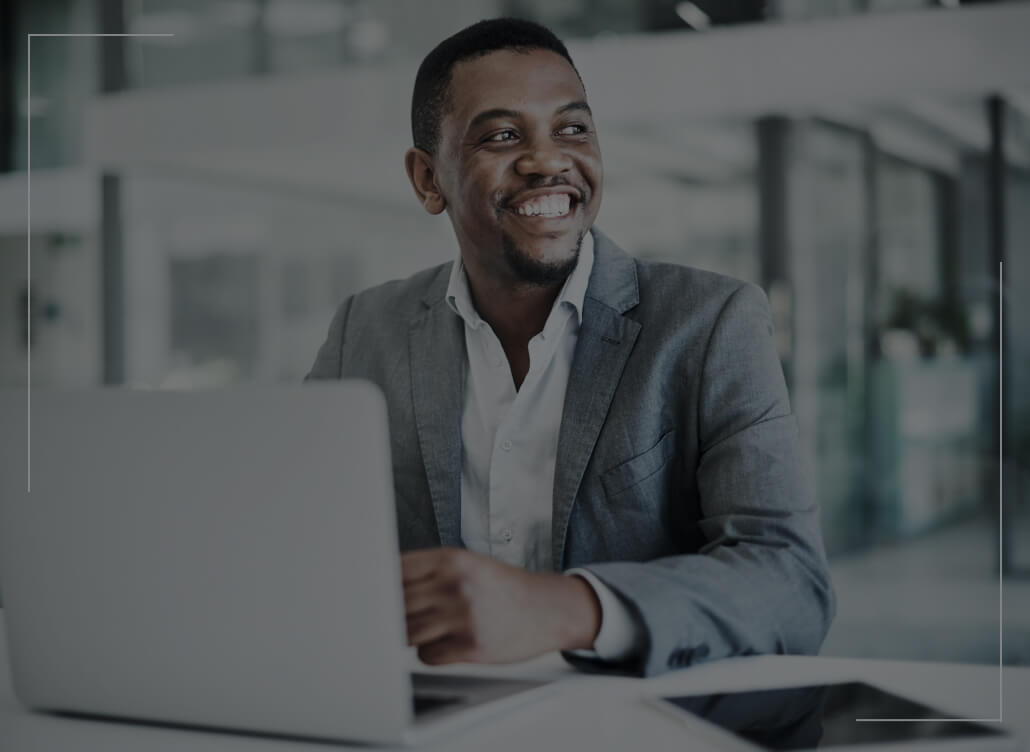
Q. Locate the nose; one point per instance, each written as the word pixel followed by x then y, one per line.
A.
pixel 543 158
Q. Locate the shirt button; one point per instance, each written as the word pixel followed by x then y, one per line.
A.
pixel 506 535
pixel 506 445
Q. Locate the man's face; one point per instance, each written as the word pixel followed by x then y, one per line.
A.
pixel 519 165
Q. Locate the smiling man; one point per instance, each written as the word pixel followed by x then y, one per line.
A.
pixel 591 453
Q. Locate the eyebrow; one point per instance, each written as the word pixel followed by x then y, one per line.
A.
pixel 579 104
pixel 500 112
pixel 492 115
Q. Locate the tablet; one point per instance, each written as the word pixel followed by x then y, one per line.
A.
pixel 824 717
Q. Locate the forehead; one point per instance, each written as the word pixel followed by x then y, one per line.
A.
pixel 537 81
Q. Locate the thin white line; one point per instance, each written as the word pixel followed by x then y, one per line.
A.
pixel 101 35
pixel 28 261
pixel 928 720
pixel 1001 488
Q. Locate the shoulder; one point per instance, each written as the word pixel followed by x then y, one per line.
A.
pixel 399 299
pixel 677 291
pixel 672 294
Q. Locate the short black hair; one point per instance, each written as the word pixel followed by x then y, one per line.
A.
pixel 429 99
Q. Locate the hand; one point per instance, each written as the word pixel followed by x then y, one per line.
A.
pixel 463 606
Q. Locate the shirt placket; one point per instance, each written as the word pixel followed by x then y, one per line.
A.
pixel 507 507
pixel 500 521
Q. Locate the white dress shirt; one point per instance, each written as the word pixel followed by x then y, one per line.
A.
pixel 510 439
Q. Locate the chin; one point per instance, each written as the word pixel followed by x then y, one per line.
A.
pixel 544 269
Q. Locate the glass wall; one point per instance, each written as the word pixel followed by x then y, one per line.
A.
pixel 926 426
pixel 236 283
pixel 828 239
pixel 1017 311
pixel 685 194
pixel 65 76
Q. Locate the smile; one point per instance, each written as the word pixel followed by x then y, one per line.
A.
pixel 547 205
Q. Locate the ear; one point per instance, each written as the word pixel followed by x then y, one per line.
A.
pixel 422 174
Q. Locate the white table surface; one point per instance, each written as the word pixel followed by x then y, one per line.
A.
pixel 585 711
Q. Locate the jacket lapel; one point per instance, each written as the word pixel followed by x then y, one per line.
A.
pixel 606 338
pixel 437 347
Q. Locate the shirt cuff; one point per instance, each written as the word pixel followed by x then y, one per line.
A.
pixel 620 633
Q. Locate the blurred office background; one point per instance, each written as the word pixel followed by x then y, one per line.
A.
pixel 201 202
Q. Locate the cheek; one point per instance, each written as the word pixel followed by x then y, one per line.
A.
pixel 480 200
pixel 597 183
pixel 596 169
pixel 477 206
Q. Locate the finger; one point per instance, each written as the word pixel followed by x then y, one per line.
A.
pixel 419 565
pixel 451 649
pixel 424 595
pixel 427 627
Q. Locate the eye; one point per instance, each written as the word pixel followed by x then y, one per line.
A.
pixel 573 129
pixel 502 136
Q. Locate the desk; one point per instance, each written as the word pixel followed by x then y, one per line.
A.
pixel 585 712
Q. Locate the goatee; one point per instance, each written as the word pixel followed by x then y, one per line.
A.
pixel 538 273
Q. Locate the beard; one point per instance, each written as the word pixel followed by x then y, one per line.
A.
pixel 535 272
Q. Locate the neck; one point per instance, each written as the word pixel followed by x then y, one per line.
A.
pixel 516 310
pixel 516 313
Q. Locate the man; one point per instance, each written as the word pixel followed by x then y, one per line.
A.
pixel 591 453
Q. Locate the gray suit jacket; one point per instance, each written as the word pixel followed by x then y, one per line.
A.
pixel 677 480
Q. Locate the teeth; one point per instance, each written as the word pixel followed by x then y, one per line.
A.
pixel 556 205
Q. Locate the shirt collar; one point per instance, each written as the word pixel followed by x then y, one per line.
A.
pixel 573 292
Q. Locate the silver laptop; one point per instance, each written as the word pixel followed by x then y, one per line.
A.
pixel 223 559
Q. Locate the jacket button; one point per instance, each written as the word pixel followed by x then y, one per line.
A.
pixel 680 658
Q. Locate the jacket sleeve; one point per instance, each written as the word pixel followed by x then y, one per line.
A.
pixel 760 584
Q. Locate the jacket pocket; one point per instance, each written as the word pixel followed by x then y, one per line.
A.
pixel 640 468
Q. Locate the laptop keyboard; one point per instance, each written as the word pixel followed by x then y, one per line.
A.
pixel 442 694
